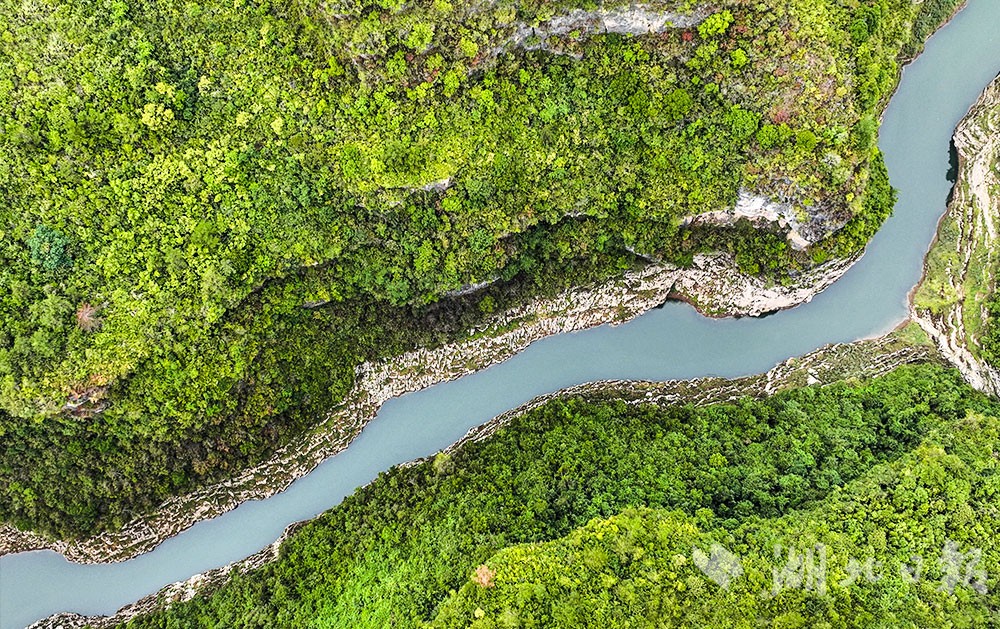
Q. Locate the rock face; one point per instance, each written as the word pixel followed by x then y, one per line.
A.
pixel 960 273
pixel 831 364
pixel 713 284
pixel 729 293
pixel 759 209
pixel 636 20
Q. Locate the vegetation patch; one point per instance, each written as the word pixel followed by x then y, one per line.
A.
pixel 216 211
pixel 991 338
pixel 402 550
pixel 912 543
pixel 958 295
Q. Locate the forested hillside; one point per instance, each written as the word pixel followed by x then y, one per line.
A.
pixel 214 211
pixel 874 555
pixel 884 469
pixel 982 188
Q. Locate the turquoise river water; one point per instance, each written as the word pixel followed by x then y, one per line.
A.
pixel 671 342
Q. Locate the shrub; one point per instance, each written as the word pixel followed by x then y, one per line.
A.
pixel 48 248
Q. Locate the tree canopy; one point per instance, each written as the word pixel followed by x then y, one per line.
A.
pixel 584 512
pixel 184 183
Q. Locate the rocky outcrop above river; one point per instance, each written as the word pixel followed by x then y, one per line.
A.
pixel 761 211
pixel 960 273
pixel 634 20
pixel 713 284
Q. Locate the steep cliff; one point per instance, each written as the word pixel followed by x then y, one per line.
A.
pixel 954 300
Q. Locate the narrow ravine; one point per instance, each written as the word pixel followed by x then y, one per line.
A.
pixel 673 342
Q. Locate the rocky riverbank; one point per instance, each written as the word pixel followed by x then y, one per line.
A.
pixel 834 363
pixel 960 271
pixel 825 366
pixel 175 592
pixel 713 284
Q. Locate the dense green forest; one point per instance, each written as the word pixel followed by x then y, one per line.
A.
pixel 214 211
pixel 885 467
pixel 875 554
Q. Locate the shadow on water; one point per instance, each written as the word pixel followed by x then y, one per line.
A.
pixel 952 168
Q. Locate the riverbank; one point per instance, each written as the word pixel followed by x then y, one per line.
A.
pixel 243 374
pixel 960 271
pixel 859 305
pixel 836 363
pixel 290 246
pixel 712 284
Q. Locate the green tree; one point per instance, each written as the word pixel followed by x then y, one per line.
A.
pixel 49 248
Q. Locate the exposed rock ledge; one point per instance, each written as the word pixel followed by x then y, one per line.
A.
pixel 758 209
pixel 713 284
pixel 961 265
pixel 827 365
pixel 635 20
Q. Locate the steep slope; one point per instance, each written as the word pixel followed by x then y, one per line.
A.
pixel 912 544
pixel 393 552
pixel 957 301
pixel 218 211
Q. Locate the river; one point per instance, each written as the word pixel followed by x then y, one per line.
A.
pixel 671 342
